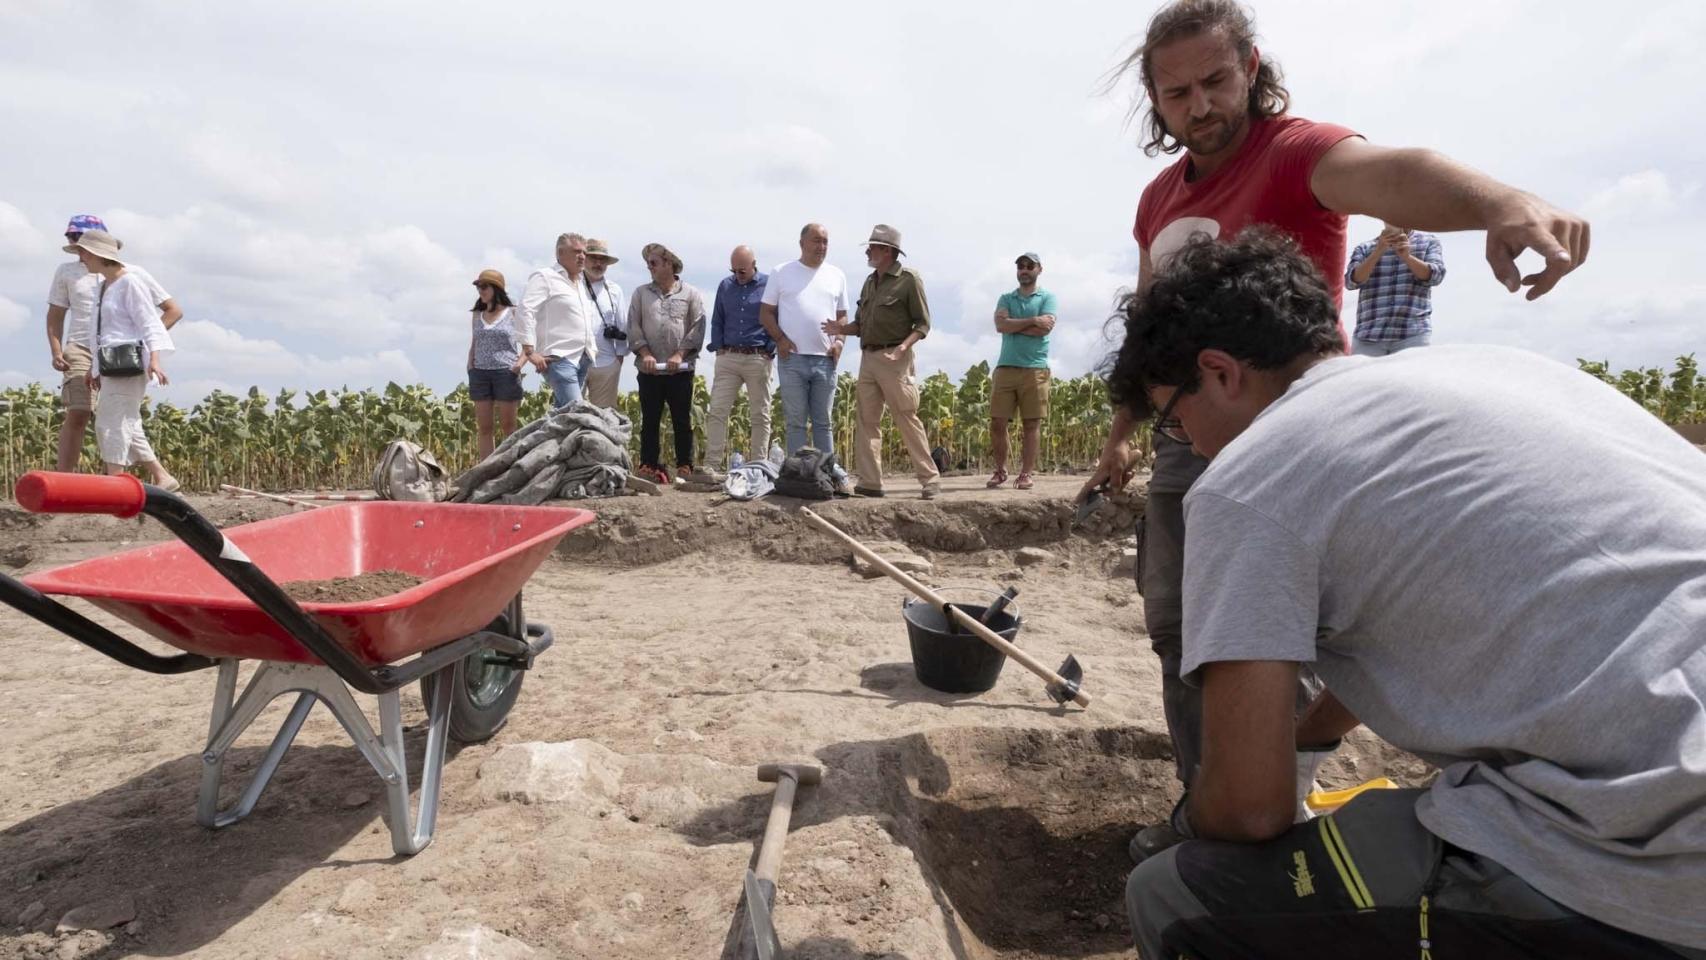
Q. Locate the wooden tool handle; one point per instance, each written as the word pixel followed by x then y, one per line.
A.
pixel 269 496
pixel 931 597
pixel 776 829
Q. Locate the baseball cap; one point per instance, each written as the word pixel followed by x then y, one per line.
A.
pixel 1030 255
pixel 84 222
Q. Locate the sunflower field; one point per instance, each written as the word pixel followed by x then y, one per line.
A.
pixel 330 439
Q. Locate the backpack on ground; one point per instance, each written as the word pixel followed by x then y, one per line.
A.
pixel 808 474
pixel 408 472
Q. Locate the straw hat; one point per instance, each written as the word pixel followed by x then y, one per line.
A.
pixel 492 277
pixel 98 242
pixel 887 236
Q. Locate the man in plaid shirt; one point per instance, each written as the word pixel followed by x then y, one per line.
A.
pixel 1395 274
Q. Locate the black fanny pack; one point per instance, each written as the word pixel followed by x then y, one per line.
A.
pixel 120 359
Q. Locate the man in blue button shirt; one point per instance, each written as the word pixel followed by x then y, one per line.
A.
pixel 1394 276
pixel 744 351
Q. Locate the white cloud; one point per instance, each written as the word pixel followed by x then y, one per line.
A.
pixel 210 355
pixel 1647 194
pixel 13 316
pixel 243 173
pixel 19 240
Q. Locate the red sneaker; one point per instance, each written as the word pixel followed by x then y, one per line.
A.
pixel 998 479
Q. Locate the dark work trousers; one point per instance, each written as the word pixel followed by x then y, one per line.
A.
pixel 1160 579
pixel 675 389
pixel 1368 881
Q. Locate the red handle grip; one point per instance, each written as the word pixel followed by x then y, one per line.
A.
pixel 40 491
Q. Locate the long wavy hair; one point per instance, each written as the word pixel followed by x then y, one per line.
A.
pixel 1188 18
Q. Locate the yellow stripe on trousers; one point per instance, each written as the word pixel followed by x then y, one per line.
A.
pixel 1341 857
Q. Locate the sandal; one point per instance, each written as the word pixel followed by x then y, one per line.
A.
pixel 1024 481
pixel 998 479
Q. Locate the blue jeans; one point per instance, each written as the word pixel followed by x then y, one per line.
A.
pixel 567 379
pixel 1385 348
pixel 808 389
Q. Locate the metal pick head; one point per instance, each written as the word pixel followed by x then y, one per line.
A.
pixel 1073 676
pixel 1092 501
pixel 758 910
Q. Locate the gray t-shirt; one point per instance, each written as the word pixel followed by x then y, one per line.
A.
pixel 1498 563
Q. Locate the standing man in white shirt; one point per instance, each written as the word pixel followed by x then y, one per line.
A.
pixel 611 342
pixel 72 298
pixel 799 297
pixel 557 314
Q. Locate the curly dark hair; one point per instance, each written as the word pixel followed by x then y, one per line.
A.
pixel 1257 297
pixel 1188 18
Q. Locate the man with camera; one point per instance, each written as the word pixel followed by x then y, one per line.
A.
pixel 611 344
pixel 1394 276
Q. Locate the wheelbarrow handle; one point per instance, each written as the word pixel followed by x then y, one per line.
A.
pixel 42 491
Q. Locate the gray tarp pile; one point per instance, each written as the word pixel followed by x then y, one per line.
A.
pixel 578 452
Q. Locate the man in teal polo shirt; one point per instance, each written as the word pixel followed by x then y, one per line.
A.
pixel 1024 318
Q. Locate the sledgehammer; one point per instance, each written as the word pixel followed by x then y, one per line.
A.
pixel 758 937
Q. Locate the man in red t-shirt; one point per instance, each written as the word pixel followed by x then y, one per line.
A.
pixel 1247 162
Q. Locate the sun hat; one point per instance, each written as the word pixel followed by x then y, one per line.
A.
pixel 1030 255
pixel 601 250
pixel 492 277
pixel 98 242
pixel 887 236
pixel 664 252
pixel 84 222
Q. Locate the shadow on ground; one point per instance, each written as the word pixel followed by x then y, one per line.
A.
pixel 191 884
pixel 1021 834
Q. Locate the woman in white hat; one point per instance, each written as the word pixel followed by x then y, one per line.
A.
pixel 126 344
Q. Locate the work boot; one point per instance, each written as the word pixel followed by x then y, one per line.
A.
pixel 1151 840
pixel 1157 837
pixel 931 490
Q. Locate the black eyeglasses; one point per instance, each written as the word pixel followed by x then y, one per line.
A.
pixel 1166 424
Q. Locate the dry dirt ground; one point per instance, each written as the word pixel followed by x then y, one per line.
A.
pixel 696 640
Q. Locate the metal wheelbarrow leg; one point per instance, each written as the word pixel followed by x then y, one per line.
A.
pixel 410 831
pixel 386 754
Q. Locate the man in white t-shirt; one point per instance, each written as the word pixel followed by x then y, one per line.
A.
pixel 611 344
pixel 1493 560
pixel 70 312
pixel 800 295
pixel 558 316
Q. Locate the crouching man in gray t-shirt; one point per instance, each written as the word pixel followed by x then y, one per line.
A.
pixel 1491 559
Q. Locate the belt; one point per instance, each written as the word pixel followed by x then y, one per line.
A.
pixel 766 351
pixel 878 346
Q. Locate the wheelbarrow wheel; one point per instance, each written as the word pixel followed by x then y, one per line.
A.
pixel 482 693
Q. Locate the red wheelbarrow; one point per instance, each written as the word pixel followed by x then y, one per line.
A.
pixel 460 631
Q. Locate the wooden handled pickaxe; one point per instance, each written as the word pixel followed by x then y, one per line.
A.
pixel 758 939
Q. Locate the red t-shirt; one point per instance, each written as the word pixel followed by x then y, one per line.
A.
pixel 1267 182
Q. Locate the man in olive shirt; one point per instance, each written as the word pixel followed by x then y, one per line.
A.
pixel 892 315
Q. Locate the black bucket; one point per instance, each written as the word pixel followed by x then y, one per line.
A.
pixel 958 662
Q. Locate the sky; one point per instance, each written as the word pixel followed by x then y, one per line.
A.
pixel 318 183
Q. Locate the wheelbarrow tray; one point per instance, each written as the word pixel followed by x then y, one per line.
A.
pixel 472 560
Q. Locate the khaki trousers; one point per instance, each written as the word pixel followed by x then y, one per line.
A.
pixel 881 381
pixel 733 370
pixel 601 384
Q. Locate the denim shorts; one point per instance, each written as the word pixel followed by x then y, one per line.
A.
pixel 503 386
